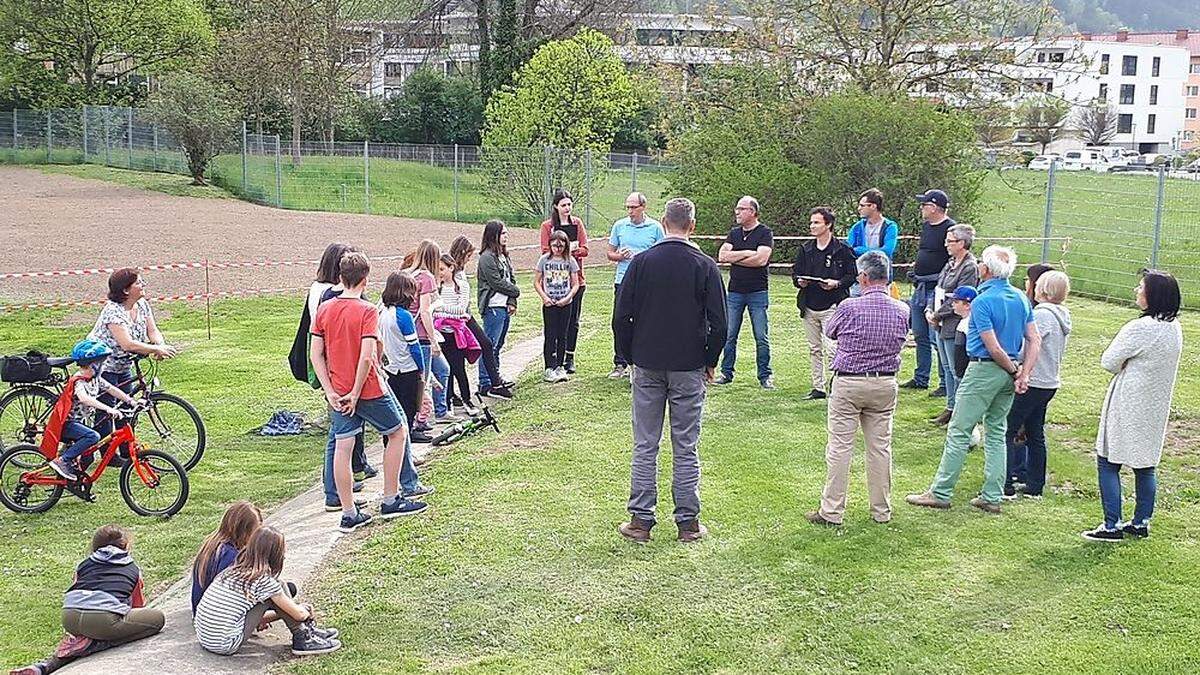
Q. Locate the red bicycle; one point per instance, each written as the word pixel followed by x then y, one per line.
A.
pixel 153 483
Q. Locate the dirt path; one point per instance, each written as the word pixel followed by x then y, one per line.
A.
pixel 53 221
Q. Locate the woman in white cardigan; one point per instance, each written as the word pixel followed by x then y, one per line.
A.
pixel 1144 360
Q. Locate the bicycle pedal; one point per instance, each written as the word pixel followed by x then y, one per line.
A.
pixel 81 490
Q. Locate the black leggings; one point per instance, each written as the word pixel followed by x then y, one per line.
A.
pixel 555 328
pixel 408 390
pixel 457 358
pixel 573 327
pixel 489 352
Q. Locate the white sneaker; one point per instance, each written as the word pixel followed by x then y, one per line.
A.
pixel 551 375
pixel 976 437
pixel 561 374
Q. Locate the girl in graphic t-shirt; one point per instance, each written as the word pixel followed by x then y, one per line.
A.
pixel 557 284
pixel 562 220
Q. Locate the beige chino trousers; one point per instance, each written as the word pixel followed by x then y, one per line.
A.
pixel 868 402
pixel 820 347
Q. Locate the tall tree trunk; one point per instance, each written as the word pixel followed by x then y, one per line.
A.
pixel 483 21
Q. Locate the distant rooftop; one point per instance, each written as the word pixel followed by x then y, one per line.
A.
pixel 1188 38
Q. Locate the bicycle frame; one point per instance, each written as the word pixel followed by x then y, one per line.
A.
pixel 122 436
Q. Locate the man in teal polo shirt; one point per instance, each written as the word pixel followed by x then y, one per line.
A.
pixel 1001 328
pixel 630 236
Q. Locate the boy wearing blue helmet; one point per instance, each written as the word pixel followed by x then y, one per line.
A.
pixel 83 392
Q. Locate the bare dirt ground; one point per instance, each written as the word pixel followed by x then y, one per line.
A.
pixel 54 222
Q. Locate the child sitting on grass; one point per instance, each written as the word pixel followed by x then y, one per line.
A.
pixel 104 606
pixel 74 414
pixel 249 595
pixel 220 549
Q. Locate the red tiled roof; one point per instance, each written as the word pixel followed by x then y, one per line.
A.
pixel 1162 38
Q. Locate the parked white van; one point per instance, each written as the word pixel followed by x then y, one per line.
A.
pixel 1115 156
pixel 1084 160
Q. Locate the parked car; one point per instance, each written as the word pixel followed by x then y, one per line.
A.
pixel 1043 162
pixel 1084 160
pixel 1115 156
pixel 1147 162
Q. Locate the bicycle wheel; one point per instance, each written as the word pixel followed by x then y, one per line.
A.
pixel 447 437
pixel 15 493
pixel 23 413
pixel 175 428
pixel 155 485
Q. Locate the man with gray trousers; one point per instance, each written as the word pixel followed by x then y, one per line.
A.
pixel 670 321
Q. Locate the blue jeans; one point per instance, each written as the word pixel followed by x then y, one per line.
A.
pixel 757 303
pixel 122 381
pixel 1145 485
pixel 382 413
pixel 945 350
pixel 441 372
pixel 922 333
pixel 495 327
pixel 1027 462
pixel 81 437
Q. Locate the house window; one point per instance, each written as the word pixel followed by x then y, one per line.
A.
pixel 1057 57
pixel 1193 91
pixel 1127 94
pixel 1189 135
pixel 1129 65
pixel 1154 94
pixel 391 92
pixel 1104 64
pixel 1124 124
pixel 1151 123
pixel 1155 66
pixel 1195 69
pixel 393 70
pixel 1190 113
pixel 1103 97
pixel 1041 57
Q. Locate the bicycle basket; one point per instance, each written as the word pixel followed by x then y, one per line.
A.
pixel 25 368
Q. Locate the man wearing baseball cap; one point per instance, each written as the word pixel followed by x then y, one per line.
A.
pixel 931 258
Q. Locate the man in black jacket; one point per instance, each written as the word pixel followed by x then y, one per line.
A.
pixel 824 271
pixel 670 320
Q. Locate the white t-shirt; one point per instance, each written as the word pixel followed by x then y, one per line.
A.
pixel 220 620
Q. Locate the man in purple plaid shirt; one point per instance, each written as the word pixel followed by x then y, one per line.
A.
pixel 870 331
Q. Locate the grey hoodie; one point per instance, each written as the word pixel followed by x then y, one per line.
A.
pixel 1054 325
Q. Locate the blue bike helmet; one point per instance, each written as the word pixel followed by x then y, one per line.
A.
pixel 89 351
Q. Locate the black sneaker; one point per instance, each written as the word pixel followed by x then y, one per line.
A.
pixel 940 392
pixel 814 395
pixel 1139 531
pixel 370 471
pixel 306 642
pixel 401 507
pixel 1102 533
pixel 327 633
pixel 422 490
pixel 1010 493
pixel 913 384
pixel 358 486
pixel 501 393
pixel 337 505
pixel 420 437
pixel 569 366
pixel 353 522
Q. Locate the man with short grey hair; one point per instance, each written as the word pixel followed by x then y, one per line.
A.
pixel 747 251
pixel 670 322
pixel 630 235
pixel 1002 330
pixel 870 330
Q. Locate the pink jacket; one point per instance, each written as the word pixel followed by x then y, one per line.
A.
pixel 464 339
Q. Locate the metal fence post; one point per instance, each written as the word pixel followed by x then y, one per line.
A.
pixel 456 181
pixel 107 132
pixel 1047 223
pixel 547 179
pixel 278 176
pixel 14 138
pixel 129 136
pixel 587 166
pixel 243 156
pixel 154 157
pixel 1158 215
pixel 635 158
pixel 49 138
pixel 84 116
pixel 367 176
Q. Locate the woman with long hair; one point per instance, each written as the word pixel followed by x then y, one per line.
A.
pixel 461 252
pixel 562 220
pixel 497 297
pixel 248 595
pixel 426 262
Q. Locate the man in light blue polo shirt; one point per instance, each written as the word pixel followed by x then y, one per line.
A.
pixel 630 236
pixel 1001 328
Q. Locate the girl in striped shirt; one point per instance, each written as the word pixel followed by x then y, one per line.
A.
pixel 459 345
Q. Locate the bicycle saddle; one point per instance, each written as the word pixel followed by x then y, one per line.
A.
pixel 60 361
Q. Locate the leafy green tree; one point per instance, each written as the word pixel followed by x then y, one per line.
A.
pixel 92 42
pixel 573 93
pixel 199 114
pixel 433 108
pixel 1042 119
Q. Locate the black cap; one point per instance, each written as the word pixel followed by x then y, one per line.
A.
pixel 936 197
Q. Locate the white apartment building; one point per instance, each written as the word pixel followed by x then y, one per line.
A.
pixel 1144 83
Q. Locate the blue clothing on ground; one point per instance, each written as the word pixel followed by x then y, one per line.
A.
pixel 1002 309
pixel 639 237
pixel 224 557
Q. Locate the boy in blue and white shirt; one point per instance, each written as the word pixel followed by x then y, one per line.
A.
pixel 630 236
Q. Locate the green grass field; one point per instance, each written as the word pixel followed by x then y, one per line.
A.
pixel 519 568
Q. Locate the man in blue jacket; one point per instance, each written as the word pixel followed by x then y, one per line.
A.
pixel 873 232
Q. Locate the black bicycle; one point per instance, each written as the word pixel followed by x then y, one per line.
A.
pixel 478 422
pixel 175 426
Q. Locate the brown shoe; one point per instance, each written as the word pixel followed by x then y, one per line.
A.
pixel 816 518
pixel 636 530
pixel 691 531
pixel 987 507
pixel 944 418
pixel 927 500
